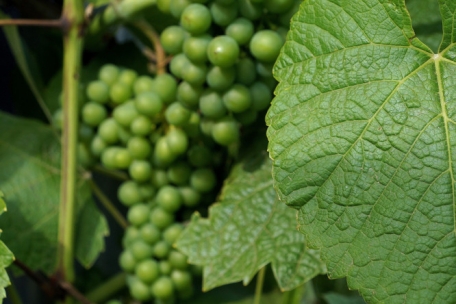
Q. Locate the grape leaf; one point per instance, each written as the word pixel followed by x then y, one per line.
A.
pixel 248 229
pixel 362 137
pixel 30 180
pixel 6 257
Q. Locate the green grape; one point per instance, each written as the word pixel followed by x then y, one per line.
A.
pixel 250 10
pixel 265 45
pixel 85 157
pixel 211 104
pixel 190 197
pixel 163 288
pixel 195 48
pixel 128 77
pixel 147 271
pixel 161 218
pixel 108 157
pixel 247 117
pixel 124 135
pixel 194 73
pixel 178 6
pixel 172 39
pixel 120 92
pixel 164 6
pixel 223 14
pixel 225 131
pixel 148 103
pixel 176 114
pixel 122 158
pixel 138 214
pixel 178 260
pixel 240 30
pixel 196 19
pixel 162 154
pixel 261 96
pixel 125 113
pixel 159 178
pixel 203 180
pixel 141 126
pixel 199 156
pixel 188 94
pixel 168 198
pixel 165 267
pixel 165 86
pixel 140 250
pixel 245 71
pixel 237 99
pixel 223 51
pixel 131 234
pixel 127 261
pixel 97 146
pixel 150 233
pixel 278 6
pixel 206 126
pixel 147 191
pixel 171 233
pixel 138 147
pixel 142 84
pixel 128 193
pixel 93 114
pixel 270 82
pixel 140 170
pixel 179 173
pixel 181 279
pixel 161 249
pixel 57 119
pixel 98 91
pixel 176 66
pixel 177 141
pixel 109 131
pixel 108 73
pixel 264 69
pixel 220 78
pixel 139 290
pixel 191 128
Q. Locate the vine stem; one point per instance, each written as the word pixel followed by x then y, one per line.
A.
pixel 259 286
pixel 104 291
pixel 13 295
pixel 106 202
pixel 33 22
pixel 73 16
pixel 160 56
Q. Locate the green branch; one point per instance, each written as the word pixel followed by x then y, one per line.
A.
pixel 259 285
pixel 107 289
pixel 73 16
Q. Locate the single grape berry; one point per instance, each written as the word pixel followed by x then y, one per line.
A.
pixel 93 114
pixel 163 288
pixel 265 45
pixel 98 91
pixel 108 73
pixel 148 103
pixel 140 170
pixel 127 261
pixel 225 131
pixel 196 19
pixel 161 218
pixel 168 198
pixel 178 260
pixel 139 290
pixel 138 147
pixel 176 114
pixel 223 51
pixel 138 214
pixel 150 233
pixel 240 30
pixel 172 38
pixel 177 141
pixel 128 193
pixel 147 271
pixel 203 180
pixel 237 99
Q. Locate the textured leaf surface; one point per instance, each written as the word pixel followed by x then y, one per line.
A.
pixel 248 229
pixel 30 180
pixel 6 257
pixel 362 134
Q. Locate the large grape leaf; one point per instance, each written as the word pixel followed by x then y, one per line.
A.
pixel 248 229
pixel 30 180
pixel 363 136
pixel 6 257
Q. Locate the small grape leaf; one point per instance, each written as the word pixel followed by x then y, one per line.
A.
pixel 362 136
pixel 30 179
pixel 6 257
pixel 247 230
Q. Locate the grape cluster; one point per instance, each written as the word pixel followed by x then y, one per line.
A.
pixel 223 53
pixel 171 132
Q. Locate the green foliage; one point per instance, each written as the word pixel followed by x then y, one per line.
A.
pixel 30 179
pixel 248 229
pixel 6 256
pixel 362 138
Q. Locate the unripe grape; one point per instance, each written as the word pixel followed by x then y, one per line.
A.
pixel 141 126
pixel 219 78
pixel 171 233
pixel 176 114
pixel 139 290
pixel 278 6
pixel 108 157
pixel 223 51
pixel 128 193
pixel 250 10
pixel 140 170
pixel 161 249
pixel 122 158
pixel 138 147
pixel 223 14
pixel 148 103
pixel 159 178
pixel 225 131
pixel 93 114
pixel 98 91
pixel 142 84
pixel 245 71
pixel 195 48
pixel 196 19
pixel 108 73
pixel 138 214
pixel 163 288
pixel 203 180
pixel 178 260
pixel 179 173
pixel 261 96
pixel 125 113
pixel 168 198
pixel 177 141
pixel 265 45
pixel 161 218
pixel 165 86
pixel 237 99
pixel 128 77
pixel 150 233
pixel 199 156
pixel 181 279
pixel 127 261
pixel 240 30
pixel 165 267
pixel 147 271
pixel 140 250
pixel 190 197
pixel 211 104
pixel 188 94
pixel 177 64
pixel 172 39
pixel 120 92
pixel 97 146
pixel 178 6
